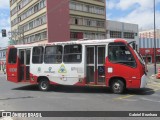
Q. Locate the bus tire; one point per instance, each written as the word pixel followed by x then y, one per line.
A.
pixel 118 86
pixel 44 84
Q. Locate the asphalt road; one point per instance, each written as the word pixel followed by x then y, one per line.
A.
pixel 22 97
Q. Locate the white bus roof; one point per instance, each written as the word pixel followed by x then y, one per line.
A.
pixel 91 42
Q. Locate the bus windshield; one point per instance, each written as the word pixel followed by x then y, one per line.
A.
pixel 139 57
pixel 133 45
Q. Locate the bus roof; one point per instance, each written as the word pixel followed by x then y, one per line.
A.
pixel 81 41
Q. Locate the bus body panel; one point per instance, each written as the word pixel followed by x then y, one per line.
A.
pixel 12 69
pixel 76 73
pixel 130 75
pixel 64 74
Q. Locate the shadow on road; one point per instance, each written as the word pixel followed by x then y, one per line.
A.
pixel 67 89
pixel 27 87
pixel 28 97
pixel 75 89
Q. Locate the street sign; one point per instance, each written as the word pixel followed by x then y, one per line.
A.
pixel 101 70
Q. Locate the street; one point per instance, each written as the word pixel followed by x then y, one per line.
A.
pixel 22 97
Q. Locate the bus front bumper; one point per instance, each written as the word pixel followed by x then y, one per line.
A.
pixel 144 80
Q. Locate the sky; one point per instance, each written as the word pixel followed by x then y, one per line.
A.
pixel 131 11
pixel 139 12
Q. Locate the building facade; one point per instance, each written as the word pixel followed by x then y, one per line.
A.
pixel 43 21
pixel 2 58
pixel 128 31
pixel 146 44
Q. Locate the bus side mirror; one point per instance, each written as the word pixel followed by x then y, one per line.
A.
pixel 134 46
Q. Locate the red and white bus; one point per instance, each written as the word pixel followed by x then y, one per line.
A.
pixel 109 63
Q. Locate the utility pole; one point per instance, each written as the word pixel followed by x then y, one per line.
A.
pixel 155 70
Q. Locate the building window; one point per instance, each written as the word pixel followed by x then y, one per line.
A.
pixel 128 35
pixel 93 35
pixel 35 23
pixel 35 37
pixel 100 24
pixel 41 4
pixel 30 25
pixel 38 37
pixel 87 8
pixel 44 35
pixel 115 34
pixel 77 21
pixel 79 7
pixel 72 5
pixel 76 35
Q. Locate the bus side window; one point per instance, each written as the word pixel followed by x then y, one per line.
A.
pixel 72 53
pixel 37 56
pixel 12 55
pixel 119 53
pixel 112 53
pixel 53 54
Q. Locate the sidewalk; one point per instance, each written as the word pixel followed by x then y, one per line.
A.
pixel 1 72
pixel 153 78
pixel 6 118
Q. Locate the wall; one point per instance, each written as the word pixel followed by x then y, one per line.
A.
pixel 58 20
pixel 122 27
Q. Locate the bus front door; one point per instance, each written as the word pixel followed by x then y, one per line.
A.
pixel 24 58
pixel 95 68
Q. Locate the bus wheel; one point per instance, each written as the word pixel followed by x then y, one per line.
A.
pixel 117 86
pixel 44 84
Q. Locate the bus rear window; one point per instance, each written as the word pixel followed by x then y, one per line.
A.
pixel 12 55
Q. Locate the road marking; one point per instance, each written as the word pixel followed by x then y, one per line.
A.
pixel 128 96
pixel 119 98
pixel 154 83
pixel 131 100
pixel 151 100
pixel 157 83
